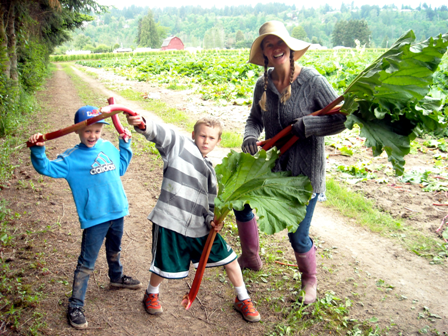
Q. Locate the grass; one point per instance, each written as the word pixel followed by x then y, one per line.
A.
pixel 365 213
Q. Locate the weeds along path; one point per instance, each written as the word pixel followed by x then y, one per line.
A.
pixel 359 259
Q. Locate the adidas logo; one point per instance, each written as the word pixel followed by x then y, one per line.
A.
pixel 102 164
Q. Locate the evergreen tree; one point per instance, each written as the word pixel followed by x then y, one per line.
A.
pixel 148 35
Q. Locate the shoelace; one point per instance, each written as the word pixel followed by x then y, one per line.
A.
pixel 152 300
pixel 248 306
pixel 77 311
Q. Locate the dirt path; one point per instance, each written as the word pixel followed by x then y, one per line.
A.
pixel 412 277
pixel 354 263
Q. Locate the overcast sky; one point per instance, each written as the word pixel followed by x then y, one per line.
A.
pixel 316 3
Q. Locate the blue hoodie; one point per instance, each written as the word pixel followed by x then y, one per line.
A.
pixel 94 178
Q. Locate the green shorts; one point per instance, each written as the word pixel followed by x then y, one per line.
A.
pixel 172 253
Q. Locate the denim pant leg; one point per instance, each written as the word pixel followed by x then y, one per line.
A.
pixel 245 215
pixel 300 240
pixel 113 248
pixel 92 240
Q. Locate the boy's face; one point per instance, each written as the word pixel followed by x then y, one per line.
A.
pixel 89 135
pixel 206 138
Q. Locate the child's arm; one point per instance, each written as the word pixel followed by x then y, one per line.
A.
pixel 57 168
pixel 168 142
pixel 125 151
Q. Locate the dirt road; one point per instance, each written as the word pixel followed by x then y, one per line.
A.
pixel 384 281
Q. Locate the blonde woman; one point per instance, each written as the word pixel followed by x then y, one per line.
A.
pixel 286 94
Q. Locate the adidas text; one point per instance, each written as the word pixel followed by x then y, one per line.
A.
pixel 103 168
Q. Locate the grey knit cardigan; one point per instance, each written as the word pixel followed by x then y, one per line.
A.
pixel 189 185
pixel 309 92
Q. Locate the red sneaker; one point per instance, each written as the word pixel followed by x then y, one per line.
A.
pixel 247 309
pixel 152 304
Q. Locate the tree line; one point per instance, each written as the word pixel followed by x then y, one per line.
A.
pixel 237 26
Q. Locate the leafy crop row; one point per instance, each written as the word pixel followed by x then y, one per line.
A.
pixel 226 74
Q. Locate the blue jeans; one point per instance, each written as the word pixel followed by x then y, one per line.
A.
pixel 300 240
pixel 92 240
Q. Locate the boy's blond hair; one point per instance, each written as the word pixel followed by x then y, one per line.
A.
pixel 210 122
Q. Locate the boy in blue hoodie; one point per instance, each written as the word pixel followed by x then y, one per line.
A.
pixel 92 169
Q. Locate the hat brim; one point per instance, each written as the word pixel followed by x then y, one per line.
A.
pixel 256 53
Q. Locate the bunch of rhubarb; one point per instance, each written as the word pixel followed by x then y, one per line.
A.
pixel 389 99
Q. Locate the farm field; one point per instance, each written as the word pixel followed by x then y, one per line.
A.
pixel 386 280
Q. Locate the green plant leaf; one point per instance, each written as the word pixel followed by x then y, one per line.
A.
pixel 389 101
pixel 279 199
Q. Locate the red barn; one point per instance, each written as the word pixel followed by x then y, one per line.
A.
pixel 172 43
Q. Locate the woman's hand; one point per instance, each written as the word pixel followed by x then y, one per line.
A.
pixel 298 128
pixel 34 138
pixel 250 146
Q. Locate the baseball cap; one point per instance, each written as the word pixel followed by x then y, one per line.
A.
pixel 87 112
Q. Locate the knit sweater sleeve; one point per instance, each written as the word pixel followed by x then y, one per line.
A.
pixel 254 123
pixel 323 125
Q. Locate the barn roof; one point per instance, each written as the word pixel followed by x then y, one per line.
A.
pixel 167 41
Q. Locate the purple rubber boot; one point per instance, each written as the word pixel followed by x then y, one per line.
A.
pixel 307 266
pixel 248 232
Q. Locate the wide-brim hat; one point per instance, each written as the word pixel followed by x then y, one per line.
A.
pixel 87 112
pixel 278 29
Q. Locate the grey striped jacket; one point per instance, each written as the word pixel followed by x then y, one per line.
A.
pixel 189 185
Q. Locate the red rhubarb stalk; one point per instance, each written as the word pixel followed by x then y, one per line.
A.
pixel 288 145
pixel 329 107
pixel 72 128
pixel 106 112
pixel 191 296
pixel 279 135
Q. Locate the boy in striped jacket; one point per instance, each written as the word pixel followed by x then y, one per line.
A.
pixel 183 215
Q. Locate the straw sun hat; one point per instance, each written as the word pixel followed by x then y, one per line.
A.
pixel 278 29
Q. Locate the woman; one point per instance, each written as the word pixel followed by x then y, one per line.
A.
pixel 286 95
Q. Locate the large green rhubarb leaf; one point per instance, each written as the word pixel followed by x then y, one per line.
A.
pixel 279 199
pixel 389 101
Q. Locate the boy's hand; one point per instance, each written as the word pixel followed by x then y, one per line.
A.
pixel 126 135
pixel 134 120
pixel 34 138
pixel 217 227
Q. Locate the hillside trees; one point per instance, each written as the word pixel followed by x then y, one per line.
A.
pixel 29 31
pixel 346 32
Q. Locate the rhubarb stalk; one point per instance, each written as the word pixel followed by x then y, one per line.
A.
pixel 106 112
